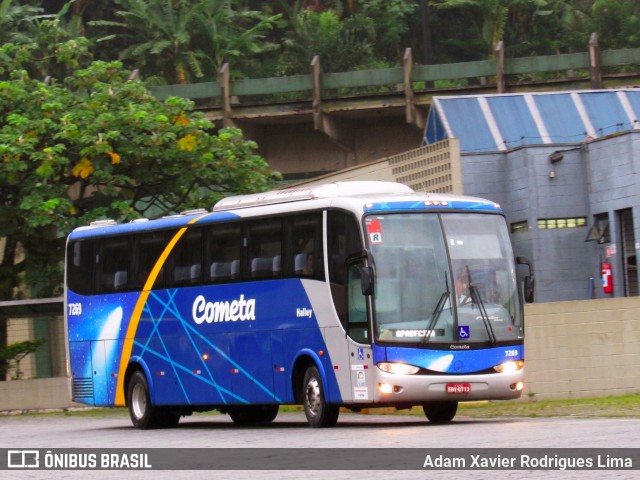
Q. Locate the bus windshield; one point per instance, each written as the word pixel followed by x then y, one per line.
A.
pixel 443 278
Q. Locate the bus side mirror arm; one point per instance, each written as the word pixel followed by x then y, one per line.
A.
pixel 529 280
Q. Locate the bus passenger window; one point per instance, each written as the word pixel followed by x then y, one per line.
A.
pixel 262 267
pixel 186 259
pixel 344 240
pixel 149 248
pixel 113 263
pixel 265 245
pixel 303 264
pixel 223 252
pixel 304 246
pixel 81 267
pixel 220 271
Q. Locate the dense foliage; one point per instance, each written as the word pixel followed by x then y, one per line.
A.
pixel 96 144
pixel 180 41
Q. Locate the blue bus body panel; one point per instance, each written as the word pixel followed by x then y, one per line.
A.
pixel 194 356
pixel 159 224
pixel 449 361
pixel 471 205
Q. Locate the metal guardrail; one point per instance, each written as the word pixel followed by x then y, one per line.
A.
pixel 418 75
pixel 407 86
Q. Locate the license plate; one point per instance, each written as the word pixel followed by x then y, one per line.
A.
pixel 458 388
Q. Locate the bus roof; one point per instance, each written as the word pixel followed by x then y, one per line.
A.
pixel 328 190
pixel 366 196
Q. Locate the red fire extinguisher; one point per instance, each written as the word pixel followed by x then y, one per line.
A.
pixel 607 278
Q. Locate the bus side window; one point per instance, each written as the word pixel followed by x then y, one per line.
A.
pixel 343 239
pixel 357 325
pixel 265 248
pixel 185 260
pixel 81 267
pixel 223 253
pixel 303 249
pixel 114 265
pixel 149 248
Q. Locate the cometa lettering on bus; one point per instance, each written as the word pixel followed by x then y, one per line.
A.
pixel 213 312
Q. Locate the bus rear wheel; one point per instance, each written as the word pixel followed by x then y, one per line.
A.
pixel 440 412
pixel 248 415
pixel 319 413
pixel 143 414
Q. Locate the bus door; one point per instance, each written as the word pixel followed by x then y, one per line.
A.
pixel 359 332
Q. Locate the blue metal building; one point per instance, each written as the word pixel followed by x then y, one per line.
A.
pixel 566 168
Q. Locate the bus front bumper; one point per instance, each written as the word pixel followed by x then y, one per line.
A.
pixel 404 389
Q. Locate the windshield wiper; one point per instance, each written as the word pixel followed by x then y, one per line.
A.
pixel 475 298
pixel 435 315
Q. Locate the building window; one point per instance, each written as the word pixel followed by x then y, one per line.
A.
pixel 520 227
pixel 599 231
pixel 553 223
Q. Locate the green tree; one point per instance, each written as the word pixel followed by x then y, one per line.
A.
pixel 183 40
pixel 100 145
pixel 342 45
pixel 392 19
pixel 229 33
pixel 493 15
pixel 159 34
pixel 617 23
pixel 12 355
pixel 13 16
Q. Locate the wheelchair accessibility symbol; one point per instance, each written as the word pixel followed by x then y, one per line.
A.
pixel 463 332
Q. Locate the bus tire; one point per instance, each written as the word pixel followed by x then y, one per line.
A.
pixel 440 412
pixel 143 414
pixel 319 413
pixel 249 415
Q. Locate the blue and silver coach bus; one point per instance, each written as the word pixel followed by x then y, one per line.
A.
pixel 353 294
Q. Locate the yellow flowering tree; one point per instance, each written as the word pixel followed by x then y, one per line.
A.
pixel 98 145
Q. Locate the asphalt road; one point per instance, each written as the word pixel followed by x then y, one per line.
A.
pixel 291 431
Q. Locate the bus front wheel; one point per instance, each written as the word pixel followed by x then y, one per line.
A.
pixel 440 412
pixel 319 413
pixel 143 414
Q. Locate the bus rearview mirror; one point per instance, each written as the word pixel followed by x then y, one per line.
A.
pixel 366 280
pixel 529 280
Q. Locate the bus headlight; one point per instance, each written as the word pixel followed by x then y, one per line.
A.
pixel 398 368
pixel 509 367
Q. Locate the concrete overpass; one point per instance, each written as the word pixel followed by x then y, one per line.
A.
pixel 307 125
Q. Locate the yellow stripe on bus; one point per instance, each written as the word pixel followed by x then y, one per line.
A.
pixel 137 313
